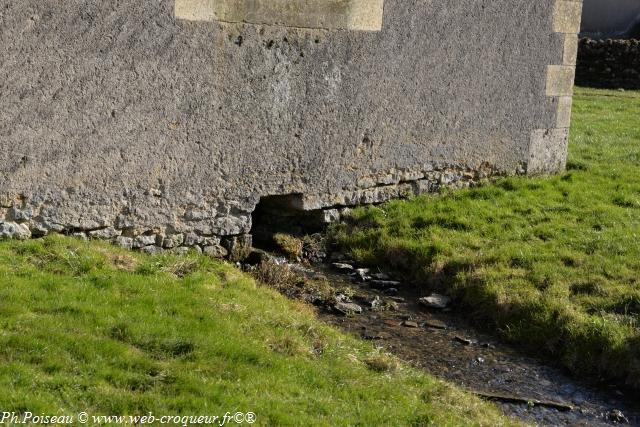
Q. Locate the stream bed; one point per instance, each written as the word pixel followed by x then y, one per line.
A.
pixel 448 346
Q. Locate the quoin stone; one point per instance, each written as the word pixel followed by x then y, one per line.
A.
pixel 165 123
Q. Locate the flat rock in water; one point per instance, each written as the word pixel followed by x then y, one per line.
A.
pixel 392 323
pixel 348 307
pixel 435 301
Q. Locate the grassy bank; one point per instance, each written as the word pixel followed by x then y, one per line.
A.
pixel 552 263
pixel 89 327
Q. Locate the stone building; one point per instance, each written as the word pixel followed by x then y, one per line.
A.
pixel 167 123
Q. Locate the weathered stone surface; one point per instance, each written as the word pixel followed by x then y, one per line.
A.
pixel 145 240
pixel 104 233
pixel 172 241
pixel 12 230
pixel 118 114
pixel 124 242
pixel 80 236
pixel 239 247
pixel 215 251
pixel 152 250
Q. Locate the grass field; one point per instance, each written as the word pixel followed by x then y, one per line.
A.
pixel 89 327
pixel 552 263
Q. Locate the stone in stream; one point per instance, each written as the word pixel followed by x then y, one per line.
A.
pixel 391 291
pixel 435 324
pixel 392 323
pixel 410 324
pixel 362 274
pixel 343 267
pixel 348 308
pixel 435 301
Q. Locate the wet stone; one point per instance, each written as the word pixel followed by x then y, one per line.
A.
pixel 343 267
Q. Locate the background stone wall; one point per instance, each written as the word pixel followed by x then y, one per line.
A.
pixel 613 64
pixel 119 121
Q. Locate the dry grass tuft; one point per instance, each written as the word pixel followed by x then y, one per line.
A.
pixel 382 362
pixel 289 245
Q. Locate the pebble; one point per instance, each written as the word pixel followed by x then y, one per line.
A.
pixel 435 301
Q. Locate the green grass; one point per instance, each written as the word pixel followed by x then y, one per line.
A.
pixel 552 263
pixel 89 327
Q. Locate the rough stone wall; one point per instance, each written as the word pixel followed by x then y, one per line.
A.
pixel 613 64
pixel 120 121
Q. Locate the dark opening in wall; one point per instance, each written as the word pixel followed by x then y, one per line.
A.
pixel 282 214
